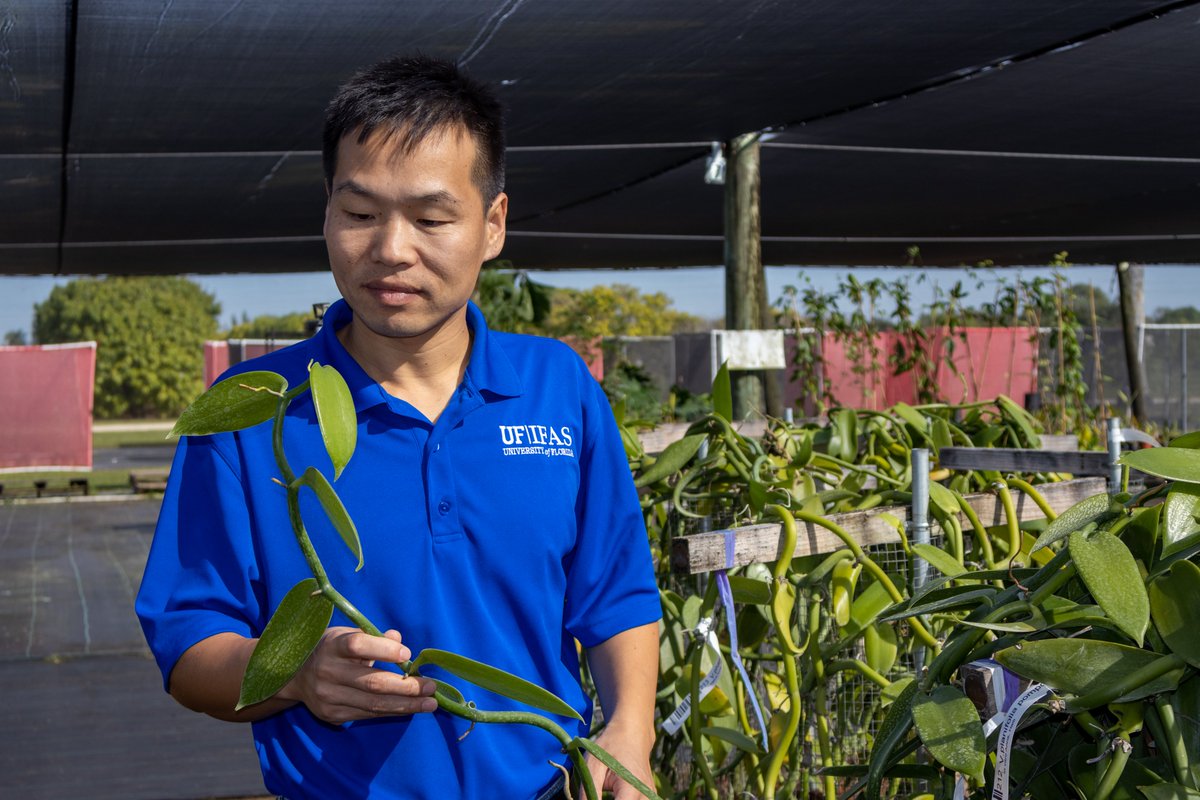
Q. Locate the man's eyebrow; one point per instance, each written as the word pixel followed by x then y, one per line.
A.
pixel 439 197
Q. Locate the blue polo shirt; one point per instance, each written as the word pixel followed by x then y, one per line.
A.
pixel 504 532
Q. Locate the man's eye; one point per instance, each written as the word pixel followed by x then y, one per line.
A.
pixel 433 223
pixel 357 217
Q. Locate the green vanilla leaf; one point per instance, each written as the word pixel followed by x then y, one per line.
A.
pixel 949 727
pixel 1022 419
pixel 1180 529
pixel 892 693
pixel 449 692
pixel 781 613
pixel 892 731
pixel 910 416
pixel 942 437
pixel 939 559
pixel 880 647
pixel 1191 440
pixel 611 762
pixel 1097 508
pixel 673 458
pixel 845 422
pixel 1175 611
pixel 736 738
pixel 749 590
pixel 1168 791
pixel 952 599
pixel 287 641
pixel 335 414
pixel 1111 575
pixel 722 394
pixel 945 499
pixel 1076 666
pixel 495 680
pixel 1173 463
pixel 238 402
pixel 332 504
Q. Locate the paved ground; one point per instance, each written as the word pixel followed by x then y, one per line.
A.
pixel 133 457
pixel 82 711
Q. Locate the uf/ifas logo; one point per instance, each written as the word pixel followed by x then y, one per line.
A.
pixel 537 440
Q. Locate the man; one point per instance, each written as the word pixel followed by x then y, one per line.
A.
pixel 490 490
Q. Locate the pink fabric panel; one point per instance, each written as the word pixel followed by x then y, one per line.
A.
pixel 992 361
pixel 46 406
pixel 216 360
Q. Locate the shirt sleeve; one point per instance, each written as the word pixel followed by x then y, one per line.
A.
pixel 201 576
pixel 610 580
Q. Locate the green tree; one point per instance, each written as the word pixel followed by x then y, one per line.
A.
pixel 272 326
pixel 617 310
pixel 15 337
pixel 510 300
pixel 150 334
pixel 1176 316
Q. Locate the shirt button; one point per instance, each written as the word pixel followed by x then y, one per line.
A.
pixel 444 507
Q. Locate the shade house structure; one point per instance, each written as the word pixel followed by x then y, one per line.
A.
pixel 183 137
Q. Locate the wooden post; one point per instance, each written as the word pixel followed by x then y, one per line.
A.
pixel 1130 280
pixel 746 305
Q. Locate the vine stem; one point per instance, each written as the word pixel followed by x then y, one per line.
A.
pixel 869 565
pixel 570 745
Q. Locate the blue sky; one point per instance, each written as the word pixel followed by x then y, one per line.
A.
pixel 698 291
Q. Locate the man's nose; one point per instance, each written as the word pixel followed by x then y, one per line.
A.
pixel 394 242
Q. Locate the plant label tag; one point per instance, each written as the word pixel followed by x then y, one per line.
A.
pixel 1008 731
pixel 673 723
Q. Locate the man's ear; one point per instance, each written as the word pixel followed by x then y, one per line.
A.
pixel 497 222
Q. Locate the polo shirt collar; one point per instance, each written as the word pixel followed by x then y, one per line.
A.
pixel 488 371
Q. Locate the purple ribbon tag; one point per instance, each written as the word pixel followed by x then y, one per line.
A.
pixel 725 593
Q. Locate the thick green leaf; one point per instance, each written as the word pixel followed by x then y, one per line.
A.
pixel 1141 534
pixel 722 394
pixel 332 504
pixel 290 636
pixel 749 590
pixel 1187 440
pixel 942 437
pixel 1176 611
pixel 1174 463
pixel 241 401
pixel 942 561
pixel 1097 508
pixel 912 417
pixel 495 680
pixel 1180 511
pixel 880 647
pixel 672 459
pixel 1076 666
pixel 736 738
pixel 951 599
pixel 845 424
pixel 891 694
pixel 447 690
pixel 616 766
pixel 335 414
pixel 945 499
pixel 1000 627
pixel 1169 791
pixel 1112 577
pixel 892 731
pixel 1021 419
pixel 867 607
pixel 950 728
pixel 781 613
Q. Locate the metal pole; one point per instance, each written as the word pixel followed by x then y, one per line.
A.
pixel 1113 434
pixel 1183 382
pixel 920 527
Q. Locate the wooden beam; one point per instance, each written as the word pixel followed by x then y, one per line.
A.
pixel 1014 459
pixel 705 552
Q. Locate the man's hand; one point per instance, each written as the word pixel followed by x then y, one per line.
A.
pixel 339 682
pixel 632 749
pixel 625 668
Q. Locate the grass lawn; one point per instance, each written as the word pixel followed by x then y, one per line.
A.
pixel 103 438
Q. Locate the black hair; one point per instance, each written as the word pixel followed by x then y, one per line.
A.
pixel 414 97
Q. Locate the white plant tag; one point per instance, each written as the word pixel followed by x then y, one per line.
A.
pixel 673 723
pixel 1008 732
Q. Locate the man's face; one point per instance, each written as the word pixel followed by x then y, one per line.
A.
pixel 407 232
